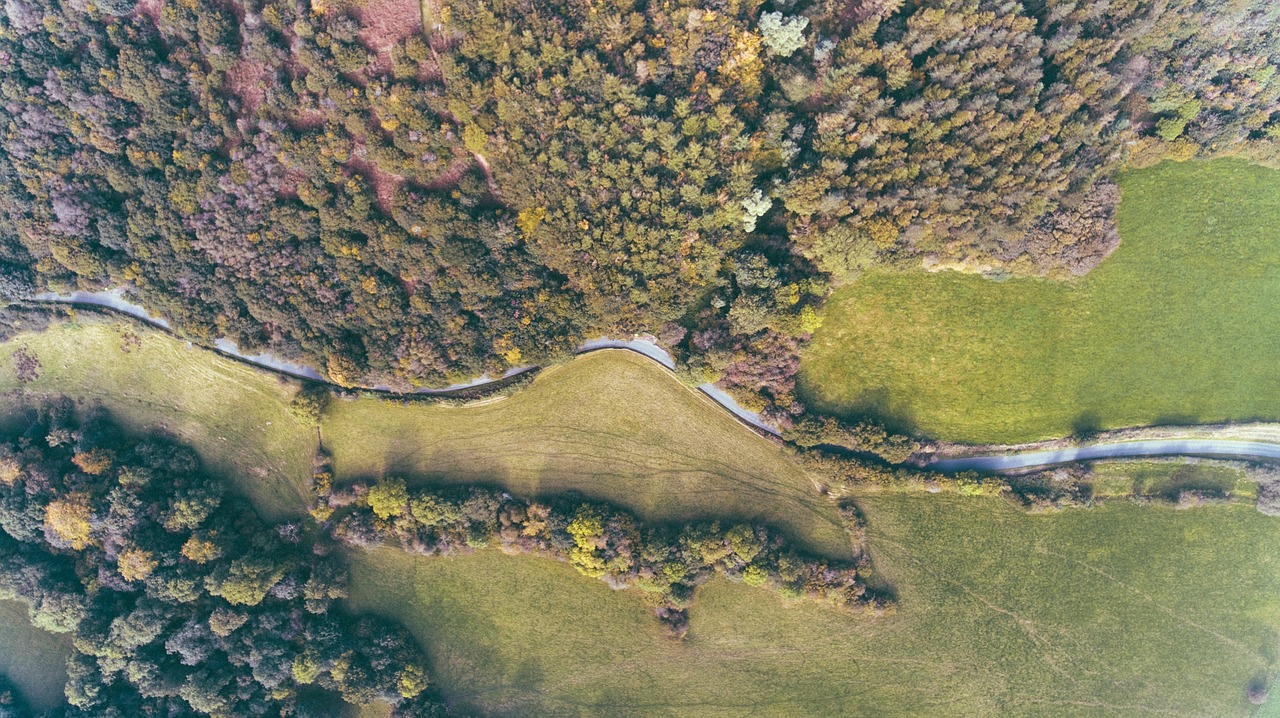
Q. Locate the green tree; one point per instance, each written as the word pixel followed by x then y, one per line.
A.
pixel 388 498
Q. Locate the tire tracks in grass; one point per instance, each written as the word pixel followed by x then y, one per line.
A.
pixel 1180 618
pixel 1050 652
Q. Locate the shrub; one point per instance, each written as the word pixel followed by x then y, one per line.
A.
pixel 1269 498
pixel 388 498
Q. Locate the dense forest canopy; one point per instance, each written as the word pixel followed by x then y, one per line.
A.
pixel 403 201
pixel 180 601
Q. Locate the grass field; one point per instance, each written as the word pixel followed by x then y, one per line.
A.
pixel 1168 478
pixel 1122 611
pixel 1181 324
pixel 236 417
pixel 34 661
pixel 612 425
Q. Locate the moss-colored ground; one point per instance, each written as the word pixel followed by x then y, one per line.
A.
pixel 1181 324
pixel 612 425
pixel 1121 611
pixel 1167 479
pixel 236 417
pixel 34 661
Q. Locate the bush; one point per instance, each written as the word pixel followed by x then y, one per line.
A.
pixel 309 403
pixel 1269 498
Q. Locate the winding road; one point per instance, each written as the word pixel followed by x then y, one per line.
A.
pixel 1213 448
pixel 114 300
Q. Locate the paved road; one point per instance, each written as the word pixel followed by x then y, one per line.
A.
pixel 115 300
pixel 1155 447
pixel 1152 447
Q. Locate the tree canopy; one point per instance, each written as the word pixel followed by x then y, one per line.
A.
pixel 404 204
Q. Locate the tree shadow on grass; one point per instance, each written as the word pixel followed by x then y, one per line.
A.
pixel 1175 420
pixel 877 405
pixel 1086 424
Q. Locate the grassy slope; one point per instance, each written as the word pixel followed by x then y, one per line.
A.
pixel 612 425
pixel 1151 608
pixel 1168 478
pixel 234 416
pixel 1119 611
pixel 1182 324
pixel 33 660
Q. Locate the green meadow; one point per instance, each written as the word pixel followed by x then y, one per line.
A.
pixel 1180 325
pixel 234 416
pixel 34 661
pixel 610 425
pixel 1120 611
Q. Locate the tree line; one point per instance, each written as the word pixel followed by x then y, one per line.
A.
pixel 668 563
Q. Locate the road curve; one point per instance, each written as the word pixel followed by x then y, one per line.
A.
pixel 115 301
pixel 1214 448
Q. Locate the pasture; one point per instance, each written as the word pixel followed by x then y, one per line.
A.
pixel 234 416
pixel 610 425
pixel 1124 610
pixel 34 661
pixel 1180 325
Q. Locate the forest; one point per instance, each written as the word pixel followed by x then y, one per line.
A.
pixel 403 195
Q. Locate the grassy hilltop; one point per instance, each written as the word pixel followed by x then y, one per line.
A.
pixel 1181 324
pixel 611 425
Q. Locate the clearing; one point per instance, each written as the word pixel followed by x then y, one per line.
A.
pixel 1124 610
pixel 611 425
pixel 34 661
pixel 1180 325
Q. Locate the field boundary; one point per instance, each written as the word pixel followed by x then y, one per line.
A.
pixel 1249 441
pixel 112 303
pixel 1259 440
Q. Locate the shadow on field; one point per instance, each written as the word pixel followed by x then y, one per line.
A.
pixel 877 405
pixel 1086 424
pixel 1180 420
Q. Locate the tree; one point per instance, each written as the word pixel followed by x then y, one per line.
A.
pixel 94 461
pixel 136 564
pixel 388 498
pixel 309 403
pixel 245 581
pixel 783 36
pixel 68 520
